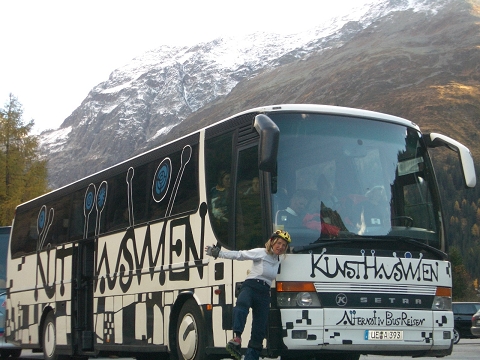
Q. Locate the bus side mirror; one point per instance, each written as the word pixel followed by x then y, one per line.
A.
pixel 434 140
pixel 268 148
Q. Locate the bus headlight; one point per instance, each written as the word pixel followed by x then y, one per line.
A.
pixel 442 303
pixel 297 294
pixel 301 299
pixel 442 299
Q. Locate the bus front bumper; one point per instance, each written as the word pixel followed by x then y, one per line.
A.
pixel 384 331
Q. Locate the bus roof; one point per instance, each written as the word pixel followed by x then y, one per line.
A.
pixel 331 110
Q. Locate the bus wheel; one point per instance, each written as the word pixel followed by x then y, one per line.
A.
pixel 49 338
pixel 190 334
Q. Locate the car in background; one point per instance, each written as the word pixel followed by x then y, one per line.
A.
pixel 475 329
pixel 6 349
pixel 462 317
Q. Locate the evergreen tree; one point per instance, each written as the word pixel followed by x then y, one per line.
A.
pixel 23 175
pixel 462 283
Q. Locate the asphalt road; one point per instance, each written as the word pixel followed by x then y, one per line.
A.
pixel 466 349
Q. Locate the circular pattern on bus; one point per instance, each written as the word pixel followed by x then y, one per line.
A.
pixel 89 199
pixel 161 181
pixel 102 195
pixel 42 217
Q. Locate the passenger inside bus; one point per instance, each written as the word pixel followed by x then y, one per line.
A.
pixel 328 222
pixel 293 215
pixel 255 188
pixel 220 197
pixel 376 210
pixel 324 194
pixel 220 203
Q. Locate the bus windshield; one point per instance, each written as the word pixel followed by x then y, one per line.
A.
pixel 343 177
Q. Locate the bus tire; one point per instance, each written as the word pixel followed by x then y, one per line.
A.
pixel 190 333
pixel 49 338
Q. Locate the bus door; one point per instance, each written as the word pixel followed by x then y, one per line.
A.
pixel 84 269
pixel 249 228
pixel 236 154
pixel 82 297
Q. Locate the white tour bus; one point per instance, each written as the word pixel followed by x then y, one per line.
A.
pixel 115 264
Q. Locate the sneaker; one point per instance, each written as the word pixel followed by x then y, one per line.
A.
pixel 234 346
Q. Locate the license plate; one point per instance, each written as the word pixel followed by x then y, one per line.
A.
pixel 383 335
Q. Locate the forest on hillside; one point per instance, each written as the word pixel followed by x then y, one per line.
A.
pixel 461 209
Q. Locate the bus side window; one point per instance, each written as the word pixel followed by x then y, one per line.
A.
pixel 218 160
pixel 141 192
pixel 58 233
pixel 77 217
pixel 187 197
pixel 182 198
pixel 24 233
pixel 117 203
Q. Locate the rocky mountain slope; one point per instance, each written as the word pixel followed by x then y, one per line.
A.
pixel 417 59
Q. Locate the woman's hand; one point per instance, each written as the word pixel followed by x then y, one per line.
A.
pixel 213 251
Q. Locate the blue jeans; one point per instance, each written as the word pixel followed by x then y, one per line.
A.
pixel 255 295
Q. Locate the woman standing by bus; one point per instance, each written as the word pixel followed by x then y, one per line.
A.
pixel 255 291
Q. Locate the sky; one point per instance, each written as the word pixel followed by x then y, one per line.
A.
pixel 55 51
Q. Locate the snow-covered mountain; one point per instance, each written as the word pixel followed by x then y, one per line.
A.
pixel 167 91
